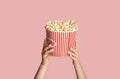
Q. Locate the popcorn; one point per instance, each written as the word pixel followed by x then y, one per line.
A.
pixel 64 26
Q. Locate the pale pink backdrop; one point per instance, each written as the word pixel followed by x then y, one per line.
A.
pixel 22 34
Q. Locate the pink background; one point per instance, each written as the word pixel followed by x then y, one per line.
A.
pixel 22 33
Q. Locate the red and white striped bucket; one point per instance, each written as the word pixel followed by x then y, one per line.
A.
pixel 63 41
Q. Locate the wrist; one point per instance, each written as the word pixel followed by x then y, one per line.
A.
pixel 75 62
pixel 44 63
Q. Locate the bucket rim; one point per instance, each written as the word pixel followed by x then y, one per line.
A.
pixel 62 31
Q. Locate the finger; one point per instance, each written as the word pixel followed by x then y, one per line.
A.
pixel 50 54
pixel 72 57
pixel 73 54
pixel 73 50
pixel 48 47
pixel 49 51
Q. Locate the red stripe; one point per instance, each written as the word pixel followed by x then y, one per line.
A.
pixel 71 39
pixel 66 43
pixel 58 44
pixel 53 37
pixel 51 34
pixel 67 40
pixel 62 44
pixel 55 41
pixel 61 51
pixel 74 39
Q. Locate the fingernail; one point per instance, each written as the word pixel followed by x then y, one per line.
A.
pixel 55 44
pixel 52 50
pixel 68 52
pixel 50 45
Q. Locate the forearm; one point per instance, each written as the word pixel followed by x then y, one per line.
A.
pixel 79 70
pixel 41 72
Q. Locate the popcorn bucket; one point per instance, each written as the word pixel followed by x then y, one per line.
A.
pixel 62 41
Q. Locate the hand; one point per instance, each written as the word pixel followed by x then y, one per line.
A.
pixel 73 53
pixel 46 52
